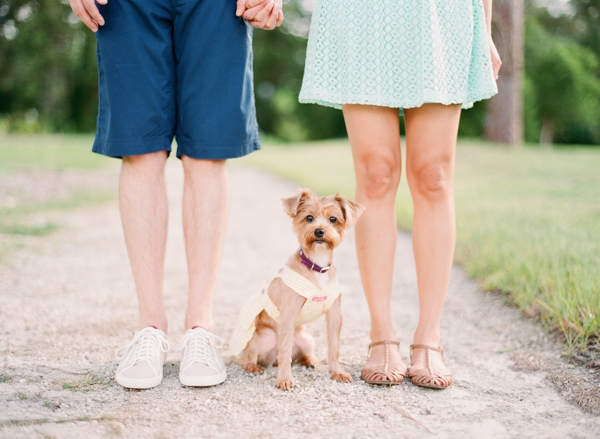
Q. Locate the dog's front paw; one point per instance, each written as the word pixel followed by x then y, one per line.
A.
pixel 341 377
pixel 253 368
pixel 284 383
pixel 308 362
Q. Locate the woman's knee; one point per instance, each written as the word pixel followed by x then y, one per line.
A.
pixel 380 177
pixel 432 181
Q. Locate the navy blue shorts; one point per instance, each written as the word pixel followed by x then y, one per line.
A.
pixel 175 69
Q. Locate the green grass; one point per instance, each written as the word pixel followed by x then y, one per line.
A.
pixel 528 221
pixel 89 383
pixel 31 230
pixel 17 220
pixel 34 156
pixel 49 152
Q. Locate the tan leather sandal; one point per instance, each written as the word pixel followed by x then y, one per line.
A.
pixel 427 377
pixel 385 375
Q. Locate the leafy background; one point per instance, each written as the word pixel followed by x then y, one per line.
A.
pixel 48 80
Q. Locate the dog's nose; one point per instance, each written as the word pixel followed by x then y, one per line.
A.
pixel 319 233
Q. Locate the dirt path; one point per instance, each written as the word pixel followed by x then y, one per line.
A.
pixel 67 303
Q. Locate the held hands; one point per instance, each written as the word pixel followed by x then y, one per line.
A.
pixel 262 14
pixel 87 11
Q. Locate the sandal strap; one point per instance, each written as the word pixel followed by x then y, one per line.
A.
pixel 424 346
pixel 427 377
pixel 427 349
pixel 386 342
pixel 378 376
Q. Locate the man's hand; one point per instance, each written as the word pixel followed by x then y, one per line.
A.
pixel 262 14
pixel 87 12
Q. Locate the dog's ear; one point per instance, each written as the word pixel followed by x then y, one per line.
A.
pixel 291 205
pixel 352 210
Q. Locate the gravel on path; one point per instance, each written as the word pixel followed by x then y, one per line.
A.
pixel 68 302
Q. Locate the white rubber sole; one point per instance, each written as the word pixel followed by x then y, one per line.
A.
pixel 203 381
pixel 138 383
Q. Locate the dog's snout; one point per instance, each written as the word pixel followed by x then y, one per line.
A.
pixel 319 233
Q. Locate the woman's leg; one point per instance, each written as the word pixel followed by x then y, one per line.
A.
pixel 375 140
pixel 431 132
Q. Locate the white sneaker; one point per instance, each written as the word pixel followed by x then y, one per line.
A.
pixel 141 366
pixel 201 364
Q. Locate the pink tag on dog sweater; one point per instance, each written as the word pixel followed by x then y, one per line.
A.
pixel 319 299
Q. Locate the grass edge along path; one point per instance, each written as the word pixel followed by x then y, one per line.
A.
pixel 527 222
pixel 33 158
pixel 58 152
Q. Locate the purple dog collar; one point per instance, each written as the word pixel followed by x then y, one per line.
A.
pixel 311 265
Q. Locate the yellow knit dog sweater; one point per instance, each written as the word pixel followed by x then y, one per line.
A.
pixel 318 302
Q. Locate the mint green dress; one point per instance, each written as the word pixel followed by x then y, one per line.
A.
pixel 397 53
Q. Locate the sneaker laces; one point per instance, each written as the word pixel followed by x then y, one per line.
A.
pixel 145 342
pixel 202 346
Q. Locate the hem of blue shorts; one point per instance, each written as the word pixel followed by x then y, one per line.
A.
pixel 120 149
pixel 216 151
pixel 191 149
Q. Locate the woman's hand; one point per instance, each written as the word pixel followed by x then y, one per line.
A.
pixel 262 14
pixel 87 11
pixel 496 61
pixel 495 56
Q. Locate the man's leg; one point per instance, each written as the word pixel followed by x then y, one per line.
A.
pixel 205 213
pixel 215 121
pixel 144 213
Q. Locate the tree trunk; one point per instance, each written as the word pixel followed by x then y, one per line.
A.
pixel 547 132
pixel 504 120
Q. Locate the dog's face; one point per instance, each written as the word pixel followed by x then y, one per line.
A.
pixel 321 223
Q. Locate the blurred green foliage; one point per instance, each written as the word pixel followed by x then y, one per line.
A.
pixel 47 68
pixel 562 75
pixel 48 79
pixel 278 68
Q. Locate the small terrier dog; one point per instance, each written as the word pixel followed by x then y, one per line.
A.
pixel 270 331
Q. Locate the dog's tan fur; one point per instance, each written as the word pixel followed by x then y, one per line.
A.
pixel 281 343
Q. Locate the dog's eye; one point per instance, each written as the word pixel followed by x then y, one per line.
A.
pixel 310 218
pixel 332 219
